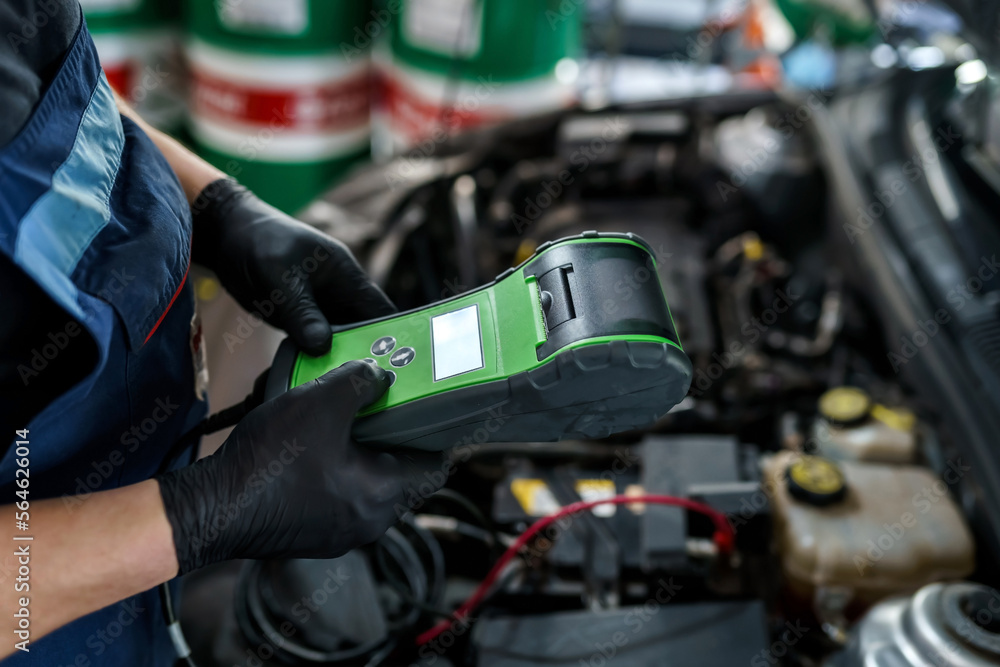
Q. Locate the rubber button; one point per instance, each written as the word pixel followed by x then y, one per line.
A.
pixel 383 346
pixel 402 356
pixel 392 377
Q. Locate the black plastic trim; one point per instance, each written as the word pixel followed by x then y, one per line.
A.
pixel 619 294
pixel 591 391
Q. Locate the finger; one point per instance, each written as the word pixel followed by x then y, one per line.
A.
pixel 345 292
pixel 352 387
pixel 302 318
pixel 423 474
pixel 371 302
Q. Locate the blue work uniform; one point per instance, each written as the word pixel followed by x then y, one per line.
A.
pixel 96 221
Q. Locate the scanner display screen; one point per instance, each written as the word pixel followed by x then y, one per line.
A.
pixel 457 341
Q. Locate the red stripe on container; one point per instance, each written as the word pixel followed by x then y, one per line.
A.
pixel 417 118
pixel 120 77
pixel 332 106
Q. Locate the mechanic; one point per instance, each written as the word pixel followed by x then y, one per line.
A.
pixel 101 366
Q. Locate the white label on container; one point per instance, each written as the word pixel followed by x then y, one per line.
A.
pixel 597 489
pixel 283 17
pixel 450 27
pixel 457 342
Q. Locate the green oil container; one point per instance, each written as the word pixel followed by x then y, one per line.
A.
pixel 280 99
pixel 138 42
pixel 449 65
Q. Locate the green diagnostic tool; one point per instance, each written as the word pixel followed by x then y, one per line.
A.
pixel 576 342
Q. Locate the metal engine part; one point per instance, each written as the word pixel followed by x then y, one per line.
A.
pixel 941 625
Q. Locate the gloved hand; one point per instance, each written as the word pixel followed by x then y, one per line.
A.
pixel 290 483
pixel 295 277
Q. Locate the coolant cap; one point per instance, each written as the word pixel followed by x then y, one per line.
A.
pixel 815 480
pixel 844 405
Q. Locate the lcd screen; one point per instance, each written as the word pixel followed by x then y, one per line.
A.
pixel 457 342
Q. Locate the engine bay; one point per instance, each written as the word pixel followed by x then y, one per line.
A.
pixel 846 500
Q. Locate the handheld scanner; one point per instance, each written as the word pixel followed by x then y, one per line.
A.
pixel 576 342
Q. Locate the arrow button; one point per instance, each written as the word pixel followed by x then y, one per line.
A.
pixel 402 356
pixel 383 346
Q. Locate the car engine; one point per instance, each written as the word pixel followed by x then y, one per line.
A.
pixel 848 499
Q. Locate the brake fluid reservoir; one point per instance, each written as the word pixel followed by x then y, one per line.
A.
pixel 870 529
pixel 852 428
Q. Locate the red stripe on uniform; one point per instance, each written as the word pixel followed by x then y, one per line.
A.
pixel 172 299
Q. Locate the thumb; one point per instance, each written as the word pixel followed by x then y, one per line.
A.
pixel 301 317
pixel 423 474
pixel 352 387
pixel 344 277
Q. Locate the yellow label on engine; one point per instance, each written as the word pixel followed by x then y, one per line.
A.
pixel 534 496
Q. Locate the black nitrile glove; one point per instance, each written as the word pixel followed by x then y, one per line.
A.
pixel 290 483
pixel 295 277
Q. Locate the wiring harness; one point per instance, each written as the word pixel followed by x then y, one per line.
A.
pixel 723 539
